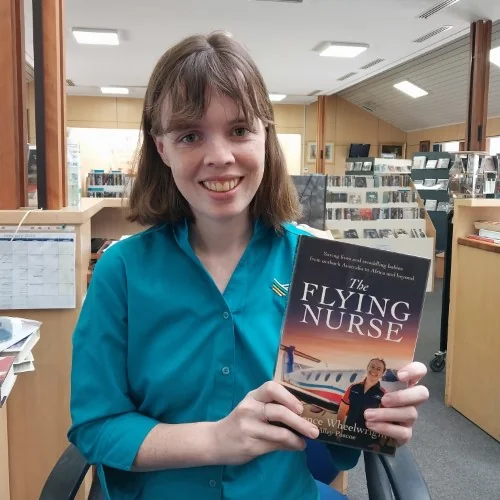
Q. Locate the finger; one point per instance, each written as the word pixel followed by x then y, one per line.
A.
pixel 401 433
pixel 283 415
pixel 273 392
pixel 412 373
pixel 406 415
pixel 275 437
pixel 412 396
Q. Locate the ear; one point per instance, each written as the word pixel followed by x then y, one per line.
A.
pixel 160 147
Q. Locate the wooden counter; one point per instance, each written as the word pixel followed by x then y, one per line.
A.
pixel 37 412
pixel 474 320
pixel 4 455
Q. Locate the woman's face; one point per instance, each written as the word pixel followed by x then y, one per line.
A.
pixel 217 162
pixel 375 370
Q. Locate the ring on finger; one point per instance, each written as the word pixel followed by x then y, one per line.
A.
pixel 264 413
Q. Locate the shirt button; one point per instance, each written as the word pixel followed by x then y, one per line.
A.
pixel 226 370
pixel 225 315
pixel 212 483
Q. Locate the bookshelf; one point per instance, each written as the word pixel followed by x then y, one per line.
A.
pixel 438 175
pixel 380 209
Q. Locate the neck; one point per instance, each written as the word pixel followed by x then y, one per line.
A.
pixel 370 382
pixel 209 236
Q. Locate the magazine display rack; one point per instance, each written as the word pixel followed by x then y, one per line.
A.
pixel 380 209
pixel 430 176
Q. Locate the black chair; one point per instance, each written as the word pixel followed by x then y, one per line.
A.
pixel 388 478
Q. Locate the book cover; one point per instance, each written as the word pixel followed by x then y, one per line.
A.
pixel 352 320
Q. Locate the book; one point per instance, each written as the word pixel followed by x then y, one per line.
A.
pixel 13 330
pixel 370 233
pixel 7 377
pixel 419 162
pixel 351 323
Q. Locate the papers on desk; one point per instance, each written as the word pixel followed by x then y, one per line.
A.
pixel 18 336
pixel 37 270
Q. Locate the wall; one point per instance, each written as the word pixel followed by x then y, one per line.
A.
pixel 447 133
pixel 346 124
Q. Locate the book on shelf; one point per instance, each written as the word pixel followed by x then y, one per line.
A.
pixel 484 239
pixel 443 163
pixel 443 206
pixel 430 205
pixel 372 197
pixel 419 162
pixel 370 233
pixel 387 233
pixel 367 166
pixel 442 184
pixel 352 321
pixel 431 164
pixel 369 181
pixel 488 225
pixel 375 213
pixel 351 233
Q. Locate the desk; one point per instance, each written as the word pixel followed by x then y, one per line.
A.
pixel 4 455
pixel 473 349
pixel 37 412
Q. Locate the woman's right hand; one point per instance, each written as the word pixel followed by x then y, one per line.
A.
pixel 246 432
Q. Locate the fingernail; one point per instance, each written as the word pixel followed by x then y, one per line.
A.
pixel 369 414
pixel 403 376
pixel 314 432
pixel 299 409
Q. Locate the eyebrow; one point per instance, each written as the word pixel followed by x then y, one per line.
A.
pixel 177 126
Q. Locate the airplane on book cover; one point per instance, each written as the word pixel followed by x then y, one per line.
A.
pixel 324 382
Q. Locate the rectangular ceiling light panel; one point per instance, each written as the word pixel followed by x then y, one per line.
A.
pixel 341 49
pixel 114 90
pixel 276 97
pixel 96 36
pixel 411 89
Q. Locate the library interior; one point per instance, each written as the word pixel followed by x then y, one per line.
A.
pixel 388 131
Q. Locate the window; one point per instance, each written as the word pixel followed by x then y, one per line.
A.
pixel 494 145
pixel 291 144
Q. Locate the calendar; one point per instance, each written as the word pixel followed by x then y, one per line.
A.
pixel 37 270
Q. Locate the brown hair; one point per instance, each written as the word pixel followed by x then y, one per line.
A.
pixel 177 91
pixel 377 359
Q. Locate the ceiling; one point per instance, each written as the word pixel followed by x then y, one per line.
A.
pixel 443 73
pixel 280 36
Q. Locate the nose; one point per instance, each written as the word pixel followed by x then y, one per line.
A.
pixel 218 152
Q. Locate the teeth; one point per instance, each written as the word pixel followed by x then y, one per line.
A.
pixel 221 187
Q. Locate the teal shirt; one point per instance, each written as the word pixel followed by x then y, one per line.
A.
pixel 156 342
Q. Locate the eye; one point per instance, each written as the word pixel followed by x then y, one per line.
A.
pixel 189 138
pixel 241 131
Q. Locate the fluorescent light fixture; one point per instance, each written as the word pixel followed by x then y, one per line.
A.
pixel 495 56
pixel 114 90
pixel 276 97
pixel 410 89
pixel 341 49
pixel 96 36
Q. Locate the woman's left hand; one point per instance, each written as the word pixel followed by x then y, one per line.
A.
pixel 399 411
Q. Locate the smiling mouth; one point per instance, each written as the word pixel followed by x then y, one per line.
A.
pixel 222 187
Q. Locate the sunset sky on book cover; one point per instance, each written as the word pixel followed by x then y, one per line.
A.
pixel 348 304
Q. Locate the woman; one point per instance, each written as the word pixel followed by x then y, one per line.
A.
pixel 176 344
pixel 362 396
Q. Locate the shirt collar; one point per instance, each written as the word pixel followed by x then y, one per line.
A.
pixel 181 233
